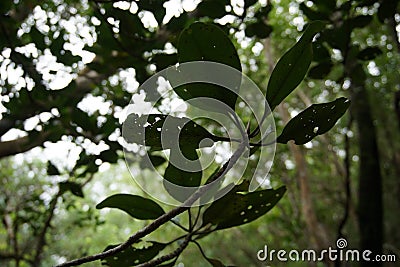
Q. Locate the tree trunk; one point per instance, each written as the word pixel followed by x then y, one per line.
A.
pixel 370 212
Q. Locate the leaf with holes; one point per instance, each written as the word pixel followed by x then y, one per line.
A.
pixel 292 67
pixel 238 207
pixel 207 42
pixel 164 132
pixel 133 256
pixel 136 206
pixel 313 121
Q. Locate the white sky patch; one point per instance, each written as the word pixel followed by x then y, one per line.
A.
pixel 373 69
pixel 190 5
pixel 308 145
pixel 227 19
pixel 257 48
pixel 128 79
pixel 148 19
pixel 91 104
pixel 289 164
pixel 173 8
pixel 63 154
pixel 13 134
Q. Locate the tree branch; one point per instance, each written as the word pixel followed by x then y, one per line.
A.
pixel 41 239
pixel 22 144
pixel 163 218
pixel 170 256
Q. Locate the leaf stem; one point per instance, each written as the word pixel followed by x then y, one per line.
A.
pixel 162 219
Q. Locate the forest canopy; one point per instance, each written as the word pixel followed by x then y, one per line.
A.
pixel 159 133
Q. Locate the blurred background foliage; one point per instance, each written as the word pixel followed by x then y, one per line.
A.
pixel 68 69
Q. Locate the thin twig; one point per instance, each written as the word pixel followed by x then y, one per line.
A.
pixel 169 256
pixel 162 219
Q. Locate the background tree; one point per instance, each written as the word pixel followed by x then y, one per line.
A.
pixel 126 44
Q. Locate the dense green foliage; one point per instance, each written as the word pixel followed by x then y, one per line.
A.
pixel 47 74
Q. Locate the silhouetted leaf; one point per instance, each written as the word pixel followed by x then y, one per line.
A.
pixel 133 256
pixel 259 29
pixel 37 38
pixel 136 206
pixel 292 67
pixel 163 61
pixel 313 14
pixel 315 120
pixel 51 169
pixel 152 161
pixel 387 9
pixel 360 21
pixel 163 132
pixel 320 71
pixel 207 42
pixel 154 6
pixel 74 188
pixel 369 53
pixel 238 207
pixel 248 3
pixel 110 156
pixel 187 174
pixel 320 52
pixel 212 8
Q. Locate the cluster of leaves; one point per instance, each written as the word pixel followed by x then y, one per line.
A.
pixel 237 207
pixel 338 35
pixel 127 43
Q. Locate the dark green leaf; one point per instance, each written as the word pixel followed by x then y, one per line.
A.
pixel 320 71
pixel 238 207
pixel 263 12
pixel 366 3
pixel 315 120
pixel 163 61
pixel 358 75
pixel 163 132
pixel 37 38
pixel 151 162
pixel 360 21
pixel 67 58
pixel 136 206
pixel 212 8
pixel 313 14
pixel 215 262
pixel 292 67
pixel 207 42
pixel 387 9
pixel 51 169
pixel 248 3
pixel 369 53
pixel 110 156
pixel 338 37
pixel 182 174
pixel 154 6
pixel 259 29
pixel 325 5
pixel 133 256
pixel 74 188
pixel 320 52
pixel 83 120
